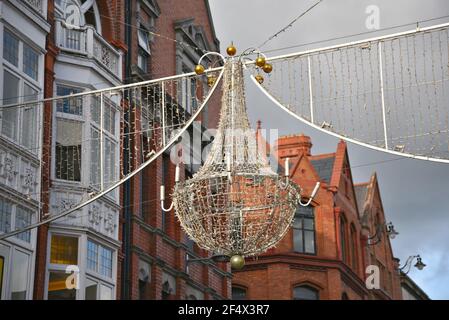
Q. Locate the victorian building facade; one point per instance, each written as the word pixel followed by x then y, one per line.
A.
pixel 123 245
pixel 156 251
pixel 326 252
pixel 23 32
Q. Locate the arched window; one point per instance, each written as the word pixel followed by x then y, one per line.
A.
pixel 354 257
pixel 238 293
pixel 304 230
pixel 305 292
pixel 344 296
pixel 343 239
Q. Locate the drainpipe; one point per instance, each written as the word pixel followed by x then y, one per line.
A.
pixel 126 276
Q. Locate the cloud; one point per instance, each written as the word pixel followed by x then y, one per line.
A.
pixel 415 193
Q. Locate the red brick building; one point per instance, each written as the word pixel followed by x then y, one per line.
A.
pixel 155 251
pixel 123 244
pixel 325 253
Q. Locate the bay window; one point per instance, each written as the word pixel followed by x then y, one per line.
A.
pixel 10 48
pixel 10 96
pixel 30 61
pixel 19 279
pixel 15 272
pixel 20 84
pixel 74 122
pixel 13 216
pixel 96 277
pixel 57 288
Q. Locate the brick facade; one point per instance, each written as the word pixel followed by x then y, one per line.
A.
pixel 162 244
pixel 336 270
pixel 163 248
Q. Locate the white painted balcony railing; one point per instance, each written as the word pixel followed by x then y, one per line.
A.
pixel 86 41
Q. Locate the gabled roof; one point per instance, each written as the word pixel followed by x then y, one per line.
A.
pixel 324 167
pixel 361 191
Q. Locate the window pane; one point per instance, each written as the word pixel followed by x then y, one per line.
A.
pixel 10 48
pixel 238 293
pixel 94 157
pixel 142 60
pixel 68 150
pixel 143 40
pixel 308 224
pixel 69 105
pixel 23 219
pixel 64 250
pixel 109 161
pixel 29 119
pixel 298 241
pixel 305 293
pixel 297 223
pixel 109 118
pixel 95 108
pixel 91 290
pixel 19 279
pixel 92 256
pixel 5 215
pixel 57 288
pixel 305 211
pixel 10 96
pixel 105 262
pixel 309 242
pixel 105 293
pixel 30 61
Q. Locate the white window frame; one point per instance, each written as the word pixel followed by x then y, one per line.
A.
pixel 82 264
pixel 34 84
pixel 88 123
pixel 8 250
pixel 14 204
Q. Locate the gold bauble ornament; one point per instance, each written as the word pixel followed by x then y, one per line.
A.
pixel 237 262
pixel 199 69
pixel 260 62
pixel 259 78
pixel 211 80
pixel 231 50
pixel 267 68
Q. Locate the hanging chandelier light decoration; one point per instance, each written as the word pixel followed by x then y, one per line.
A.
pixel 235 205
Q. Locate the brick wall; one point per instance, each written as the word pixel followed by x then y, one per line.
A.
pixel 165 247
pixel 275 274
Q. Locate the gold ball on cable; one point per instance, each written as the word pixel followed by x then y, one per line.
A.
pixel 211 80
pixel 231 50
pixel 259 78
pixel 237 262
pixel 267 68
pixel 199 69
pixel 260 62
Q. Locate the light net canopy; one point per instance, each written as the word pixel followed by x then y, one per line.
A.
pixel 235 204
pixel 389 93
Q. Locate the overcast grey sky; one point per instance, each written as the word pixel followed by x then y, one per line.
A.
pixel 415 193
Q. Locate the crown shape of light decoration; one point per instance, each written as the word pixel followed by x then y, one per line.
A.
pixel 235 205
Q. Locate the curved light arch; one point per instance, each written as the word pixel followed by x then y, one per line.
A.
pixel 104 192
pixel 319 128
pixel 391 98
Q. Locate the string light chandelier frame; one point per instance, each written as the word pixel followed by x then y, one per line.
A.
pixel 235 205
